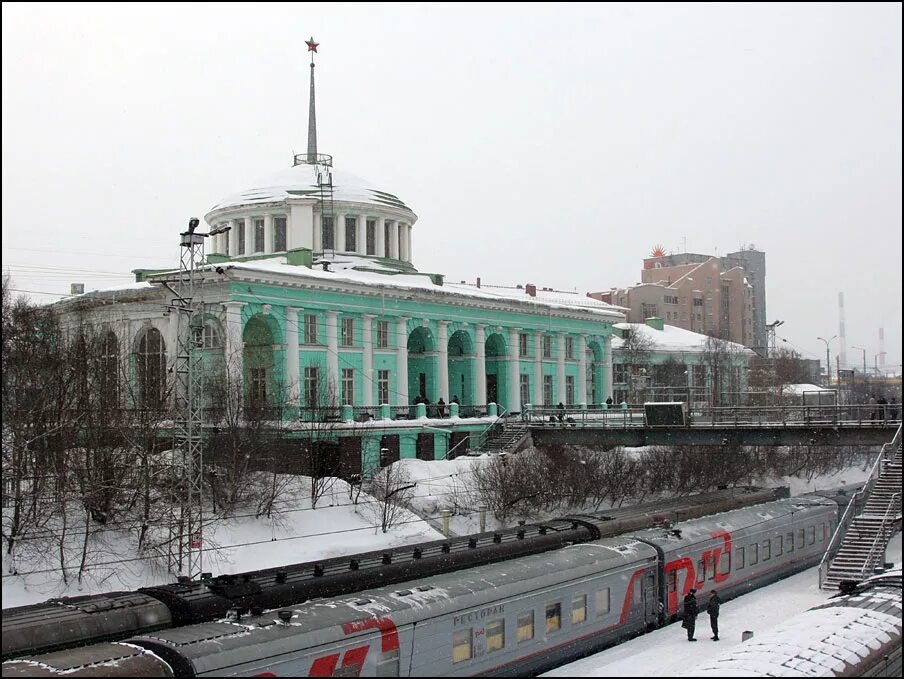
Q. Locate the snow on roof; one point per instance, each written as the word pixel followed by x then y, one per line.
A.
pixel 670 338
pixel 301 181
pixel 350 268
pixel 799 389
pixel 821 642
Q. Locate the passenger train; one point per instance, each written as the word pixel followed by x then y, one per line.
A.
pixel 519 616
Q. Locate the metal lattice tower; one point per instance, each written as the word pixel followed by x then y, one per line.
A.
pixel 185 552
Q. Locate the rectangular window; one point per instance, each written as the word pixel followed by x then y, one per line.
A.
pixel 553 617
pixel 525 626
pixel 789 542
pixel 240 234
pixel 371 236
pixel 578 609
pixel 698 301
pixel 670 299
pixel 351 234
pixel 382 334
pixel 386 239
pixel 800 538
pixel 348 386
pixel 672 581
pixel 602 601
pixel 522 344
pixel 547 390
pixel 724 564
pixel 767 550
pixel 569 389
pixel 495 633
pixel 279 234
pixel 778 546
pixel 569 348
pixel 649 311
pixel 226 235
pixel 739 558
pixel 547 346
pixel 701 571
pixel 621 373
pixel 383 386
pixel 311 384
pixel 258 386
pixel 258 234
pixel 811 535
pixel 525 390
pixel 328 241
pixel 310 329
pixel 754 553
pixel 348 332
pixel 461 645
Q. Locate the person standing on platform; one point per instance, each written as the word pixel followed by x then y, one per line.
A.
pixel 713 609
pixel 690 614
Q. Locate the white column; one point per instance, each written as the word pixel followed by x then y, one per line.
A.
pixel 393 239
pixel 402 361
pixel 403 242
pixel 538 368
pixel 339 232
pixel 514 376
pixel 233 349
pixel 233 239
pixel 607 366
pixel 249 236
pixel 293 370
pixel 408 243
pixel 480 366
pixel 361 236
pixel 560 367
pixel 332 356
pixel 369 380
pixel 442 358
pixel 268 233
pixel 381 237
pixel 318 232
pixel 582 369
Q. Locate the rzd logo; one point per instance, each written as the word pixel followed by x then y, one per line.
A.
pixel 353 658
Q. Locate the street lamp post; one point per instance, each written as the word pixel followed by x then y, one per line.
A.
pixel 828 365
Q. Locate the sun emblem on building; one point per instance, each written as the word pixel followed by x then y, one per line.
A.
pixel 658 251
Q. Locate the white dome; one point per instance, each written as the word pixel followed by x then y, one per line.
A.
pixel 301 180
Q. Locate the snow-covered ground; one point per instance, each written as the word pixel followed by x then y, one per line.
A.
pixel 667 652
pixel 297 533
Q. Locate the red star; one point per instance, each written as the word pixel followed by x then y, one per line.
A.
pixel 312 46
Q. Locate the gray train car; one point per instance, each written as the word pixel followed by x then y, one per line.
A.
pixel 741 550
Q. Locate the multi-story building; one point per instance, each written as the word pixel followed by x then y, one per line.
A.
pixel 724 297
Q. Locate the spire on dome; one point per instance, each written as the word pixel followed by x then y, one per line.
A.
pixel 312 117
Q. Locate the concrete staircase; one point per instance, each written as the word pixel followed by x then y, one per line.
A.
pixel 863 545
pixel 504 437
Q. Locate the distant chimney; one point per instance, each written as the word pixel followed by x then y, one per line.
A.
pixel 531 289
pixel 76 288
pixel 478 281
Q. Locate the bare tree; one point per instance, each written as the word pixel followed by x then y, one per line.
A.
pixel 392 489
pixel 724 362
pixel 636 350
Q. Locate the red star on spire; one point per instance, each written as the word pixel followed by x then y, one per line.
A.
pixel 312 46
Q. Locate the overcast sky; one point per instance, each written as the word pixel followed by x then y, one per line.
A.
pixel 551 144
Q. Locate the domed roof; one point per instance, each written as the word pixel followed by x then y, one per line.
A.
pixel 301 180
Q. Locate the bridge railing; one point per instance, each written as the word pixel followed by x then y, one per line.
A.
pixel 864 415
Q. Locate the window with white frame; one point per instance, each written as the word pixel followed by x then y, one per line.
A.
pixel 382 334
pixel 569 389
pixel 279 234
pixel 348 386
pixel 348 332
pixel 383 386
pixel 311 386
pixel 257 391
pixel 522 344
pixel 328 240
pixel 547 346
pixel 569 348
pixel 547 390
pixel 240 234
pixel 310 329
pixel 525 390
pixel 371 236
pixel 258 234
pixel 351 234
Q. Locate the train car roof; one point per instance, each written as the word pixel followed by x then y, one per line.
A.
pixel 830 640
pixel 693 531
pixel 221 644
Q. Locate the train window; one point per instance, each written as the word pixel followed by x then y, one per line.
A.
pixel 800 538
pixel 754 553
pixel 778 546
pixel 673 581
pixel 822 532
pixel 789 541
pixel 388 665
pixel 495 635
pixel 767 550
pixel 553 617
pixel 461 645
pixel 725 563
pixel 602 596
pixel 811 535
pixel 578 609
pixel 739 558
pixel 525 626
pixel 701 571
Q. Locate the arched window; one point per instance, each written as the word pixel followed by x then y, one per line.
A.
pixel 150 366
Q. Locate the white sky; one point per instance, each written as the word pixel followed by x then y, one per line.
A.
pixel 555 144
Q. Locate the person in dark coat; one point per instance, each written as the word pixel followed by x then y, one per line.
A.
pixel 441 407
pixel 561 415
pixel 690 613
pixel 609 401
pixel 713 609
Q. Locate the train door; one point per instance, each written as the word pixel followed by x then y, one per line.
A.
pixel 650 599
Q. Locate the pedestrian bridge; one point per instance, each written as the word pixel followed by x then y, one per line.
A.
pixel 715 426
